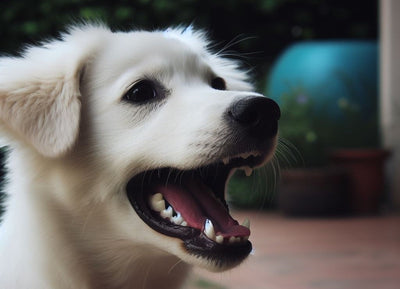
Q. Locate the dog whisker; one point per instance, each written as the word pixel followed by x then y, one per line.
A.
pixel 288 152
pixel 174 266
pixel 236 40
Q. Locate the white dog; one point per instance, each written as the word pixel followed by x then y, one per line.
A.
pixel 122 144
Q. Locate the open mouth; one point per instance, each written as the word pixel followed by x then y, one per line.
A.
pixel 190 205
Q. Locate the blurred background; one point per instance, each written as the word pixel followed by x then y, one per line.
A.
pixel 333 66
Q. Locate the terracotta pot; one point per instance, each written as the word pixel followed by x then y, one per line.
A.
pixel 366 177
pixel 313 192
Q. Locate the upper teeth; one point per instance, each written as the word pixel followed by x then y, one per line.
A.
pixel 242 156
pixel 246 155
pixel 248 171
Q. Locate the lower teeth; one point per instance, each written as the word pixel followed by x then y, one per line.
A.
pixel 210 233
pixel 157 204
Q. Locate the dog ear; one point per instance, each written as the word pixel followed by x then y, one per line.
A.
pixel 40 93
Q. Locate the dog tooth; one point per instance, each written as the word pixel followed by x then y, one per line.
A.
pixel 246 155
pixel 246 223
pixel 238 239
pixel 245 238
pixel 167 213
pixel 157 197
pixel 157 202
pixel 232 240
pixel 219 239
pixel 177 219
pixel 225 161
pixel 184 224
pixel 209 229
pixel 170 210
pixel 248 171
pixel 159 206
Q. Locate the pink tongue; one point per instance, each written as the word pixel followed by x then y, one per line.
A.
pixel 196 203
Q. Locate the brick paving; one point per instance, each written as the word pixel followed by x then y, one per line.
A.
pixel 345 253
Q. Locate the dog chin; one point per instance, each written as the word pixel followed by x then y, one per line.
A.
pixel 209 265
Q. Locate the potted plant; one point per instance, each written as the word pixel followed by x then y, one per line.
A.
pixel 308 187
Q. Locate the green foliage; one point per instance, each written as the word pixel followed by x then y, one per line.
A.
pixel 267 25
pixel 313 130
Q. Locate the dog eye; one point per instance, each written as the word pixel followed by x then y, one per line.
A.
pixel 218 83
pixel 140 92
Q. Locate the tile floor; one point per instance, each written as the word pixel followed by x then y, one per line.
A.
pixel 289 253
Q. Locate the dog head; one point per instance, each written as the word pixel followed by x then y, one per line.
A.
pixel 151 124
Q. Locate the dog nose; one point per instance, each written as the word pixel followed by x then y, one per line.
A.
pixel 258 115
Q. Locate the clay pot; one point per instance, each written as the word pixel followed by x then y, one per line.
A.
pixel 365 168
pixel 313 192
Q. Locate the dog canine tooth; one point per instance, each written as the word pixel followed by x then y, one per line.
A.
pixel 209 229
pixel 248 171
pixel 246 223
pixel 219 239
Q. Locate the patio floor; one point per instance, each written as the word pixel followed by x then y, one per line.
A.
pixel 345 253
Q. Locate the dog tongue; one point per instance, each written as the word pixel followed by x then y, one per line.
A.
pixel 196 203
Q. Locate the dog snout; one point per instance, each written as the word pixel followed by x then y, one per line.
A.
pixel 258 116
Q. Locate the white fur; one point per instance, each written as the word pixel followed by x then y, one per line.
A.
pixel 75 145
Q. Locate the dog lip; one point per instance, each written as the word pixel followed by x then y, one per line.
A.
pixel 248 157
pixel 195 240
pixel 141 190
pixel 220 254
pixel 228 244
pixel 201 191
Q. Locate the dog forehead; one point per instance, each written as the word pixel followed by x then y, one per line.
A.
pixel 139 45
pixel 150 53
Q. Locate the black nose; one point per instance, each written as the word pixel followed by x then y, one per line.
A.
pixel 257 115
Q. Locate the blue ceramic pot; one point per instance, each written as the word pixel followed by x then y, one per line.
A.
pixel 333 74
